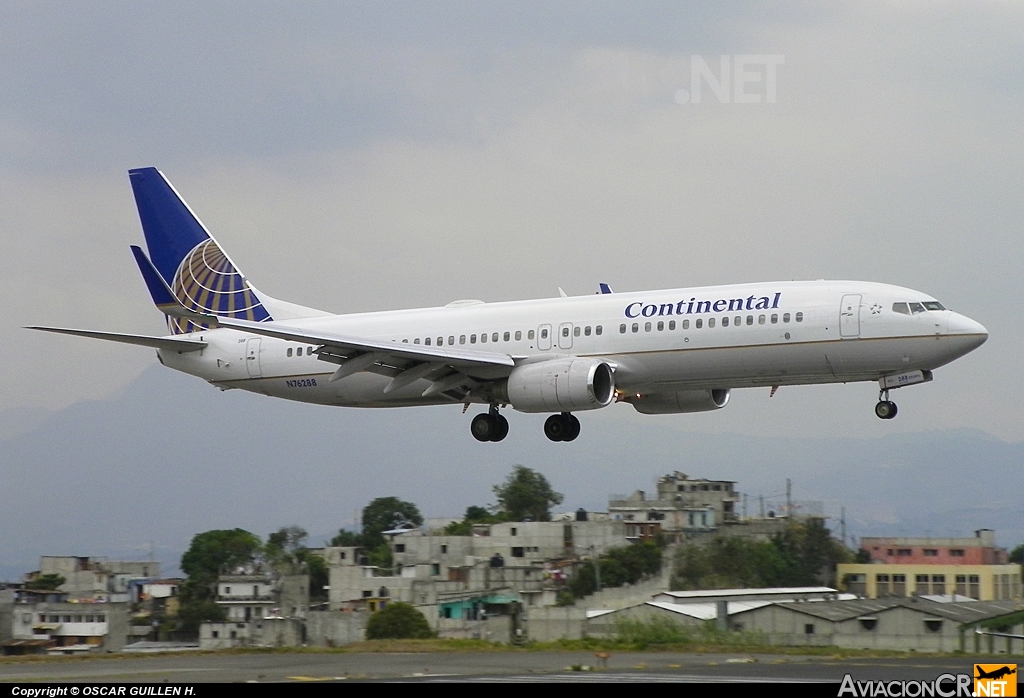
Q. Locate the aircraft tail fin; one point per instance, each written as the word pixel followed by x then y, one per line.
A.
pixel 187 268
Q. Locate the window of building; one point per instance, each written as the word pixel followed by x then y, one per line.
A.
pixel 513 532
pixel 444 549
pixel 931 552
pixel 933 625
pixel 367 594
pixel 435 569
pixel 868 623
pixel 399 547
pixel 808 628
pixel 956 552
pixel 904 552
pixel 716 488
pixel 518 552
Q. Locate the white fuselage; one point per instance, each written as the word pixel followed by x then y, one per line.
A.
pixel 764 334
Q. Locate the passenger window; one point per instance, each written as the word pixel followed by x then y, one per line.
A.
pixel 647 327
pixel 901 308
pixel 671 324
pixel 472 339
pixel 576 331
pixel 543 334
pixel 529 335
pixel 775 319
pixel 565 331
pixel 426 341
pixel 309 351
pixel 799 317
pixel 698 324
pixel 661 326
pixel 686 324
pixel 451 340
pixel 586 331
pixel 494 337
pixel 519 335
pixel 289 351
pixel 760 319
pixel 462 339
pixel 416 341
pixel 725 322
pixel 636 327
pixel 598 330
pixel 711 322
pixel 298 352
pixel 404 341
pixel 483 338
pixel 916 308
pixel 785 317
pixel 750 319
pixel 506 337
pixel 622 329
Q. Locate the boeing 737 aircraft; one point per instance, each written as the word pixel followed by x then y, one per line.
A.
pixel 663 352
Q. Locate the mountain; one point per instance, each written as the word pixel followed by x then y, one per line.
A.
pixel 171 457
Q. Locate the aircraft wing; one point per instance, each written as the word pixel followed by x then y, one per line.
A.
pixel 168 343
pixel 340 347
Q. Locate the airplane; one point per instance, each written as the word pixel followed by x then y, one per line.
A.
pixel 664 352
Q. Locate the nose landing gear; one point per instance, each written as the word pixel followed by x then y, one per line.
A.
pixel 886 408
pixel 489 426
pixel 562 427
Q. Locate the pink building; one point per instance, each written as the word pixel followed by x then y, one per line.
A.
pixel 980 550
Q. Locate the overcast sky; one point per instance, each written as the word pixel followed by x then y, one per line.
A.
pixel 358 156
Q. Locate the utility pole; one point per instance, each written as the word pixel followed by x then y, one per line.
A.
pixel 789 498
pixel 842 523
pixel 761 498
pixel 744 506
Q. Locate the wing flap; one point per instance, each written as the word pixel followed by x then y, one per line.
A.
pixel 167 343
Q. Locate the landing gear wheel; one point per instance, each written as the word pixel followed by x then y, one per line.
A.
pixel 885 409
pixel 555 427
pixel 484 427
pixel 500 429
pixel 562 427
pixel 574 427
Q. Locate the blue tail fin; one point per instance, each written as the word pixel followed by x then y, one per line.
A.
pixel 195 269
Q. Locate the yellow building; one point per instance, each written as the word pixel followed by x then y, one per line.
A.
pixel 981 582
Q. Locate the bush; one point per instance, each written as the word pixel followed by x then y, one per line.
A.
pixel 398 621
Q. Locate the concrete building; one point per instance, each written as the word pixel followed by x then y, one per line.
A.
pixel 33 622
pixel 246 597
pixel 979 582
pixel 681 504
pixel 95 579
pixel 979 550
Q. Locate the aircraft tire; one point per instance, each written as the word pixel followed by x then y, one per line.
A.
pixel 573 429
pixel 483 427
pixel 885 409
pixel 555 427
pixel 500 428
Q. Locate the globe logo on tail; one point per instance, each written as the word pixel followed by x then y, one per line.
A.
pixel 208 283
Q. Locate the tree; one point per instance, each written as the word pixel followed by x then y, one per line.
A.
pixel 382 514
pixel 212 552
pixel 45 582
pixel 1017 554
pixel 347 539
pixel 285 551
pixel 473 515
pixel 398 621
pixel 525 494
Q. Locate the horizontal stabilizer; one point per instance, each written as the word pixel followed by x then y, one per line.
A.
pixel 168 343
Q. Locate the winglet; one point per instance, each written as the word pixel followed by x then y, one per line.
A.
pixel 158 289
pixel 605 288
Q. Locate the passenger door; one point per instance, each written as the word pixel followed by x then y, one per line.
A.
pixel 849 316
pixel 252 357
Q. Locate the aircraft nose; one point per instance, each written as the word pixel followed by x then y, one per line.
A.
pixel 961 324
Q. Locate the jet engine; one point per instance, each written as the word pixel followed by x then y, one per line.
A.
pixel 561 385
pixel 680 401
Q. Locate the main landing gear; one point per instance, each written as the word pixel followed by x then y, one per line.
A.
pixel 562 427
pixel 886 408
pixel 489 426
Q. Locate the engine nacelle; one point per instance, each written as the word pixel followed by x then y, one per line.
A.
pixel 561 385
pixel 681 401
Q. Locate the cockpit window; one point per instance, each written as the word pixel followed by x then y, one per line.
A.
pixel 933 305
pixel 901 308
pixel 916 308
